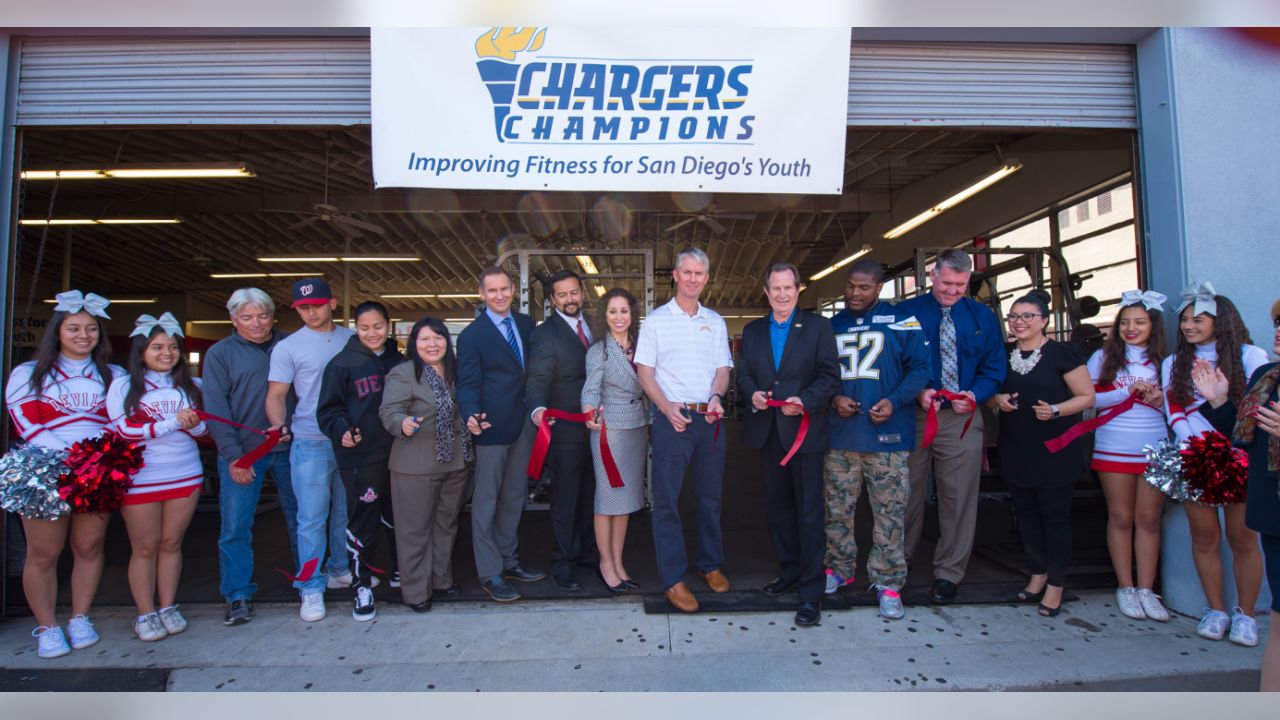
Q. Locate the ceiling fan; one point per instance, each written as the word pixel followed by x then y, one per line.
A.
pixel 708 217
pixel 324 212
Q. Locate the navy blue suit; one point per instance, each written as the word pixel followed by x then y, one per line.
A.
pixel 491 380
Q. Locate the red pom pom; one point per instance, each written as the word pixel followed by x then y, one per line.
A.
pixel 1215 470
pixel 102 469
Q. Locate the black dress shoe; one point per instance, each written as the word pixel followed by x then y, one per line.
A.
pixel 808 614
pixel 522 574
pixel 618 589
pixel 421 607
pixel 777 586
pixel 943 591
pixel 452 591
pixel 630 584
pixel 568 583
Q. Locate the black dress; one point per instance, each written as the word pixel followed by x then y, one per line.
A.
pixel 1024 460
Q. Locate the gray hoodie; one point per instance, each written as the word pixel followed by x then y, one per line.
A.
pixel 235 387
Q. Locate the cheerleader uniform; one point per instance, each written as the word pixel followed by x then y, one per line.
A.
pixel 1117 446
pixel 70 406
pixel 1186 421
pixel 171 462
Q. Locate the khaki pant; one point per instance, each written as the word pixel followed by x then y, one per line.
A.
pixel 957 468
pixel 426 527
pixel 885 476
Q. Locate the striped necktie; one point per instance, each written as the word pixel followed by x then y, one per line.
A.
pixel 511 338
pixel 947 349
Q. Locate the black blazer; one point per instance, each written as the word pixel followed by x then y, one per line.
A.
pixel 491 380
pixel 557 369
pixel 809 370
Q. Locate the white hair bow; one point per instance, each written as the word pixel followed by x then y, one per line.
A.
pixel 1149 299
pixel 1202 296
pixel 74 301
pixel 145 324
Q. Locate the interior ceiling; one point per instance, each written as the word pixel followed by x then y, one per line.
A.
pixel 228 223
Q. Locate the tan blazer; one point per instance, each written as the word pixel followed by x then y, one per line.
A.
pixel 403 396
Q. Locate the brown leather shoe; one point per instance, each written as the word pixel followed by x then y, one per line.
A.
pixel 716 580
pixel 681 599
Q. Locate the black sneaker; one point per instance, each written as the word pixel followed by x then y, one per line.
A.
pixel 515 572
pixel 363 608
pixel 239 612
pixel 395 579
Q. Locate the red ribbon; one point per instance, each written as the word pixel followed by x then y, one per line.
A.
pixel 308 570
pixel 931 420
pixel 538 457
pixel 800 434
pixel 1080 428
pixel 249 458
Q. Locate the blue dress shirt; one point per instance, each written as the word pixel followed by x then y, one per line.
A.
pixel 979 343
pixel 778 336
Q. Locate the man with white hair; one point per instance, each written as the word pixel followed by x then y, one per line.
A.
pixel 683 362
pixel 235 381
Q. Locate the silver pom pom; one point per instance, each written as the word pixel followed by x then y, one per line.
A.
pixel 29 482
pixel 1164 471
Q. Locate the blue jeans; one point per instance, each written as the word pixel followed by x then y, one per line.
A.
pixel 697 449
pixel 322 499
pixel 239 505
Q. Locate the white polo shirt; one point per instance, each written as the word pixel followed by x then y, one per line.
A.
pixel 684 350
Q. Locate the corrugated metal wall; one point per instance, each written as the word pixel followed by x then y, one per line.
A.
pixel 992 84
pixel 297 81
pixel 300 80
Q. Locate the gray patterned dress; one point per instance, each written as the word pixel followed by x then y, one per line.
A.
pixel 611 384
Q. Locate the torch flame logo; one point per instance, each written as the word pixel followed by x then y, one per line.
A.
pixel 505 42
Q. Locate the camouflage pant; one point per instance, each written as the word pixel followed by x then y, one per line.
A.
pixel 885 475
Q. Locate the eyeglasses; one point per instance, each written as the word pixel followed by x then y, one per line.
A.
pixel 1276 321
pixel 1023 317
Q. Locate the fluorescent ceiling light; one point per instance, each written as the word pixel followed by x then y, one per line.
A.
pixel 307 258
pixel 459 296
pixel 381 258
pixel 229 276
pixel 340 258
pixel 124 301
pixel 158 171
pixel 832 268
pixel 102 221
pixel 600 291
pixel 1008 168
pixel 588 265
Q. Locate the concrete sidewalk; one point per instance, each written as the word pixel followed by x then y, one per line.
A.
pixel 612 645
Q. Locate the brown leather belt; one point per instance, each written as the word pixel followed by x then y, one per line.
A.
pixel 697 407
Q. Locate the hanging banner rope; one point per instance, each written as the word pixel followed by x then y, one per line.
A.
pixel 1080 428
pixel 931 420
pixel 253 456
pixel 538 457
pixel 801 434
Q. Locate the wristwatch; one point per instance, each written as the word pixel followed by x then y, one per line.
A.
pixel 1056 412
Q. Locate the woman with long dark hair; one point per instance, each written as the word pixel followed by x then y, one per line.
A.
pixel 347 412
pixel 428 463
pixel 1045 391
pixel 1128 365
pixel 155 406
pixel 1212 335
pixel 55 400
pixel 612 390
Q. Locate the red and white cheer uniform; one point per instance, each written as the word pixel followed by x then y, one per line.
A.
pixel 70 406
pixel 171 459
pixel 1117 446
pixel 1186 421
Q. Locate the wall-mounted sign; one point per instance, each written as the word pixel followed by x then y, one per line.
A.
pixel 713 110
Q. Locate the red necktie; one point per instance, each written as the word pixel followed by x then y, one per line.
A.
pixel 582 335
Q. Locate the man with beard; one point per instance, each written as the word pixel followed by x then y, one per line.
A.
pixel 557 369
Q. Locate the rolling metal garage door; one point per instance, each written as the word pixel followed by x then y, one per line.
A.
pixel 198 80
pixel 992 84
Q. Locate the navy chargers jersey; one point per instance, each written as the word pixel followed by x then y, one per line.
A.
pixel 883 354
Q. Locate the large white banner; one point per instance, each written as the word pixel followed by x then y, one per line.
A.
pixel 714 110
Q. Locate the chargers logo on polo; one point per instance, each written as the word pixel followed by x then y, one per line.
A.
pixel 547 98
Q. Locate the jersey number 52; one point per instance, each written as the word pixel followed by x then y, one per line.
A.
pixel 858 353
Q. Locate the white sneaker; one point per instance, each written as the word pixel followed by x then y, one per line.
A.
pixel 82 633
pixel 835 582
pixel 1130 604
pixel 890 603
pixel 346 580
pixel 312 607
pixel 1213 625
pixel 50 642
pixel 148 628
pixel 364 608
pixel 1152 606
pixel 1244 629
pixel 172 620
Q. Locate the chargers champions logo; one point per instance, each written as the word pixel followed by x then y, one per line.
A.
pixel 545 98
